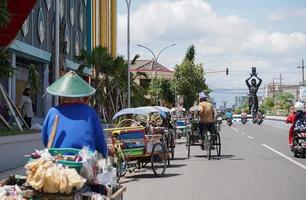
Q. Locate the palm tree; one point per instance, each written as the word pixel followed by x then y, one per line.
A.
pixel 5 70
pixel 4 14
pixel 110 78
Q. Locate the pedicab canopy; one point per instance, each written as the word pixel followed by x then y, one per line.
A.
pixel 145 110
pixel 194 108
pixel 71 85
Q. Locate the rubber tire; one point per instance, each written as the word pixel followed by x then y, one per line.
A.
pixel 165 161
pixel 218 145
pixel 188 144
pixel 207 147
pixel 172 147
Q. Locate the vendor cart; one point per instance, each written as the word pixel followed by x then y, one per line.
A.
pixel 135 149
pixel 209 143
pixel 26 192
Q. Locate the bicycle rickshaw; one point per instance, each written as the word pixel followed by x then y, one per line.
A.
pixel 136 143
pixel 180 122
pixel 208 143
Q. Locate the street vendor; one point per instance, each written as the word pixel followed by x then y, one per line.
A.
pixel 77 125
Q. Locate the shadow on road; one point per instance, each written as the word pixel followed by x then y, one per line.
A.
pixel 182 158
pixel 138 177
pixel 222 157
pixel 177 165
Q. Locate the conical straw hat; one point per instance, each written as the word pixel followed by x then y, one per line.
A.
pixel 71 85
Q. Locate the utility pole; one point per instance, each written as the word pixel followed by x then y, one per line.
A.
pixel 56 53
pixel 273 89
pixel 280 83
pixel 128 5
pixel 302 67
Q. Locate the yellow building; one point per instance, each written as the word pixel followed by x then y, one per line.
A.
pixel 104 24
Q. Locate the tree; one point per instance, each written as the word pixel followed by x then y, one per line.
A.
pixel 284 100
pixel 110 75
pixel 34 80
pixel 190 54
pixel 161 90
pixel 189 79
pixel 4 14
pixel 6 70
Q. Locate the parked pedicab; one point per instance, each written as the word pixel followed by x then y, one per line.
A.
pixel 137 143
pixel 180 121
pixel 210 141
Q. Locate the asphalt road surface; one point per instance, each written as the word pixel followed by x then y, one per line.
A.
pixel 255 164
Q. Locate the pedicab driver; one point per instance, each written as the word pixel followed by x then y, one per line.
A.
pixel 207 116
pixel 78 124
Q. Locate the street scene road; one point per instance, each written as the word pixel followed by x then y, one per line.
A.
pixel 97 95
pixel 255 163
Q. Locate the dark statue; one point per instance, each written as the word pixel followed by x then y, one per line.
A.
pixel 253 88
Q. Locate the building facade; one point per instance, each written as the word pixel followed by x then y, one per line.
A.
pixel 272 89
pixel 83 24
pixel 104 24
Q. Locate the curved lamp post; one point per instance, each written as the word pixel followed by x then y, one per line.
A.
pixel 155 58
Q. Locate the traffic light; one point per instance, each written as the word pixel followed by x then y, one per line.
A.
pixel 226 71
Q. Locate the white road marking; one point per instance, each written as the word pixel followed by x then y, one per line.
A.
pixel 284 156
pixel 235 129
pixel 275 126
pixel 242 133
pixel 250 137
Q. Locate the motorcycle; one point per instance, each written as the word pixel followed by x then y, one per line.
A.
pixel 244 118
pixel 299 144
pixel 229 121
pixel 260 118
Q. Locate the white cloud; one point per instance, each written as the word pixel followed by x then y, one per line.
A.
pixel 273 17
pixel 220 40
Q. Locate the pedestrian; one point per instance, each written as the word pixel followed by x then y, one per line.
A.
pixel 207 117
pixel 290 120
pixel 26 107
pixel 78 124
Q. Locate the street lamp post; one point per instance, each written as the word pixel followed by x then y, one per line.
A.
pixel 155 57
pixel 128 3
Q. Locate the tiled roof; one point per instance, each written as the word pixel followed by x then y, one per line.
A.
pixel 148 65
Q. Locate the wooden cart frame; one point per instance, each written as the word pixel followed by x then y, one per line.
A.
pixel 158 156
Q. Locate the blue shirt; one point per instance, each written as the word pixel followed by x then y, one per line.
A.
pixel 229 115
pixel 78 126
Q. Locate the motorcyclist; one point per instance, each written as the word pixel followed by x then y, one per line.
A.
pixel 290 120
pixel 229 114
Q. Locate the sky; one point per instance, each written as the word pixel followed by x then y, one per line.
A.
pixel 268 34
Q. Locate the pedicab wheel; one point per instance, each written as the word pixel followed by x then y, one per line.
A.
pixel 172 145
pixel 207 147
pixel 159 159
pixel 188 144
pixel 218 145
pixel 121 169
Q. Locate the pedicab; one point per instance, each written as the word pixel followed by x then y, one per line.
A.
pixel 137 143
pixel 208 143
pixel 181 126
